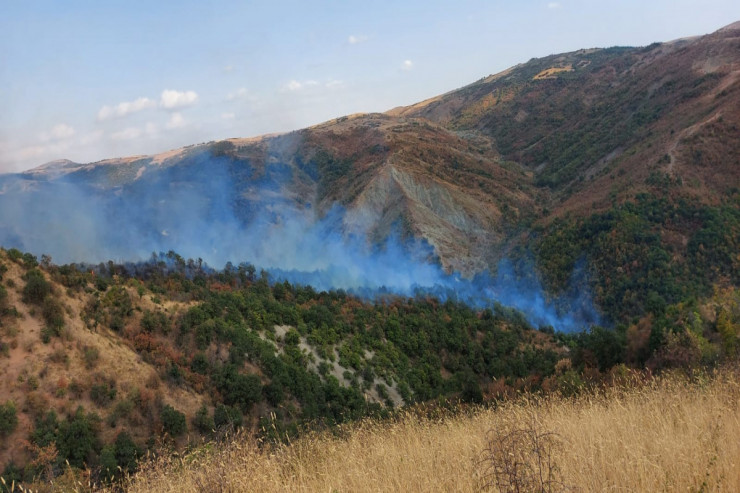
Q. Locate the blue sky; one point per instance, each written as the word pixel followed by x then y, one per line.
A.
pixel 88 80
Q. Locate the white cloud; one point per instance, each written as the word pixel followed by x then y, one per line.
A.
pixel 125 108
pixel 554 5
pixel 407 65
pixel 293 85
pixel 228 116
pixel 241 93
pixel 151 129
pixel 171 99
pixel 129 133
pixel 334 84
pixel 176 121
pixel 353 40
pixel 91 138
pixel 62 131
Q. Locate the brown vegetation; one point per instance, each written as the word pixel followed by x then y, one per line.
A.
pixel 671 434
pixel 88 366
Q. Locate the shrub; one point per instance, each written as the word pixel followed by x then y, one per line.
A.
pixel 77 440
pixel 119 457
pixel 30 260
pixel 521 460
pixel 3 299
pixel 46 429
pixel 173 421
pixel 90 356
pixel 203 421
pixel 37 288
pixel 15 254
pixel 238 389
pixel 8 419
pixel 155 321
pixel 47 333
pixel 103 393
pixel 122 409
pixel 200 364
pixel 53 313
pixel 227 416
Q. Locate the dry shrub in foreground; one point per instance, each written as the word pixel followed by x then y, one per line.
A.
pixel 667 435
pixel 521 460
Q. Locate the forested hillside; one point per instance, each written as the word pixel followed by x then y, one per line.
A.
pixel 558 229
pixel 130 358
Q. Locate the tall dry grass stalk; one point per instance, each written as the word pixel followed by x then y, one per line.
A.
pixel 667 435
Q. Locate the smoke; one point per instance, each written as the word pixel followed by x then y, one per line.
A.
pixel 221 209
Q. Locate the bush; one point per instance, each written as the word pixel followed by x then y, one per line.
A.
pixel 155 321
pixel 103 393
pixel 521 460
pixel 200 364
pixel 203 422
pixel 77 440
pixel 15 254
pixel 123 454
pixel 3 299
pixel 238 389
pixel 227 416
pixel 30 260
pixel 37 288
pixel 8 419
pixel 90 356
pixel 53 313
pixel 173 421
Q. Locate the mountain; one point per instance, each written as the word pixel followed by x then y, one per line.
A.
pixel 578 118
pixel 462 181
pixel 596 192
pixel 387 174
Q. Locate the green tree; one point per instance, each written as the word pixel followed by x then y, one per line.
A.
pixel 238 389
pixel 77 440
pixel 173 421
pixel 37 288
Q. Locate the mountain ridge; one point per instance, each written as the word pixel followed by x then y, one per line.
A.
pixel 476 173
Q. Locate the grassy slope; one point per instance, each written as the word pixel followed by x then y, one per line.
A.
pixel 58 375
pixel 664 435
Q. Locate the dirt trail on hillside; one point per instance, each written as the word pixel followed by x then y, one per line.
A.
pixel 685 134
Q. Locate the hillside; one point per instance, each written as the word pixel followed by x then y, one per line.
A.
pixel 385 175
pixel 665 435
pixel 543 165
pixel 546 230
pixel 102 364
pixel 165 352
pixel 596 124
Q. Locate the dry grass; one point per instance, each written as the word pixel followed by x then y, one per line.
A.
pixel 668 435
pixel 552 72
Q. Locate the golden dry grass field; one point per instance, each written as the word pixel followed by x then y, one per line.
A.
pixel 670 434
